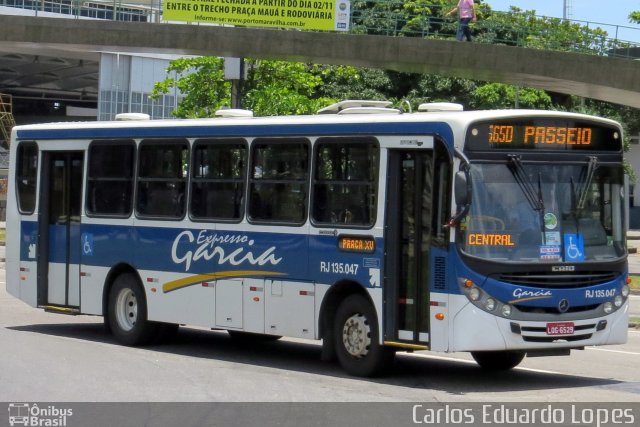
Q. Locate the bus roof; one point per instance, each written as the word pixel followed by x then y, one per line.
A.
pixel 323 124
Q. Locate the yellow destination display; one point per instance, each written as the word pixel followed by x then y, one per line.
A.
pixel 490 240
pixel 330 15
pixel 364 244
pixel 542 135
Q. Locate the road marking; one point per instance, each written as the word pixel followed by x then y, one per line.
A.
pixel 635 353
pixel 472 362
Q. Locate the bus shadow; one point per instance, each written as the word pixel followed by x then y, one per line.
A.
pixel 455 377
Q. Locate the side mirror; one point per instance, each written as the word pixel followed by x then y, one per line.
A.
pixel 461 186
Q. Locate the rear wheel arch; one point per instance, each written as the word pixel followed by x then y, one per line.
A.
pixel 328 309
pixel 113 274
pixel 128 313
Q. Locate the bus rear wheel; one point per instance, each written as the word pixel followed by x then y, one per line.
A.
pixel 127 312
pixel 356 339
pixel 498 360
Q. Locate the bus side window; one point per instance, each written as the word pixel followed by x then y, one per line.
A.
pixel 217 179
pixel 279 180
pixel 26 176
pixel 110 178
pixel 162 178
pixel 345 181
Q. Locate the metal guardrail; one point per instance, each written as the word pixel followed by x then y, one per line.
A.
pixel 601 38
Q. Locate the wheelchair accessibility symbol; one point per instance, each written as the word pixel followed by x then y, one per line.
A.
pixel 573 247
pixel 87 244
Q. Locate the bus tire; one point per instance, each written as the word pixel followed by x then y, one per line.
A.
pixel 356 339
pixel 498 360
pixel 128 312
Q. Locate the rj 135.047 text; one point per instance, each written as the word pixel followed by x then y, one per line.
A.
pixel 338 267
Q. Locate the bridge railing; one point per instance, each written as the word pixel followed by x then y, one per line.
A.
pixel 389 18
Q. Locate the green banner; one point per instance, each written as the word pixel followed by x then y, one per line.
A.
pixel 330 15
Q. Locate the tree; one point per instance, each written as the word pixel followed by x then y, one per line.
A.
pixel 282 88
pixel 201 82
pixel 413 18
pixel 271 87
pixel 634 17
pixel 498 95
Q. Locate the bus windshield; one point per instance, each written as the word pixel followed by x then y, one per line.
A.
pixel 530 212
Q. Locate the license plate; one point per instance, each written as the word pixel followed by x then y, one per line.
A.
pixel 560 328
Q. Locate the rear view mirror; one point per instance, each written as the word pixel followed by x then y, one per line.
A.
pixel 461 187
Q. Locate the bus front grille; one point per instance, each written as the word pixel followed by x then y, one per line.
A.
pixel 563 281
pixel 538 334
pixel 555 310
pixel 555 339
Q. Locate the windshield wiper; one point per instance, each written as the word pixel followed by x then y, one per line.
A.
pixel 527 187
pixel 583 192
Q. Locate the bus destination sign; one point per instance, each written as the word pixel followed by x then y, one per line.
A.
pixel 363 244
pixel 542 134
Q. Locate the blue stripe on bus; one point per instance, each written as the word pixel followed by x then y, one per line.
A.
pixel 323 129
pixel 532 296
pixel 210 253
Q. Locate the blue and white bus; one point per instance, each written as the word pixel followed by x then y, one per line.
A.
pixel 500 233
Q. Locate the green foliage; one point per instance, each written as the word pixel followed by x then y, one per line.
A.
pixel 434 88
pixel 523 28
pixel 498 95
pixel 634 17
pixel 201 81
pixel 413 18
pixel 271 87
pixel 355 83
pixel 282 88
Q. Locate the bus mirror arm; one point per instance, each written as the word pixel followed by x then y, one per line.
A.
pixel 454 221
pixel 462 190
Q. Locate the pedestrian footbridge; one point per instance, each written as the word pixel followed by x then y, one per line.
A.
pixel 605 78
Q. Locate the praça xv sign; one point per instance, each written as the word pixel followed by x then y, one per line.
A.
pixel 329 15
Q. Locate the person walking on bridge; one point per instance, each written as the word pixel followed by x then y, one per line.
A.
pixel 467 15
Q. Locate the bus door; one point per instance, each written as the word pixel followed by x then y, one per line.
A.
pixel 417 206
pixel 59 227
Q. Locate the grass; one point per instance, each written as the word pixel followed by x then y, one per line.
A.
pixel 2 234
pixel 635 283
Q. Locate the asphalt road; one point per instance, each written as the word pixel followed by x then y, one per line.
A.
pixel 50 357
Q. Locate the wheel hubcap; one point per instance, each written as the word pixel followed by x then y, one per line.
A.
pixel 126 309
pixel 356 336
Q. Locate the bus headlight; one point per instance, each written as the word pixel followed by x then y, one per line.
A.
pixel 617 301
pixel 625 291
pixel 482 300
pixel 474 294
pixel 608 307
pixel 506 310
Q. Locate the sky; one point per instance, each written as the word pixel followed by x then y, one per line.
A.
pixel 611 12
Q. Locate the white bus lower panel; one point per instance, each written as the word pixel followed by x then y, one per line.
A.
pixel 476 330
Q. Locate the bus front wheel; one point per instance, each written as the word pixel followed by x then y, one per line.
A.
pixel 127 314
pixel 356 339
pixel 498 360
